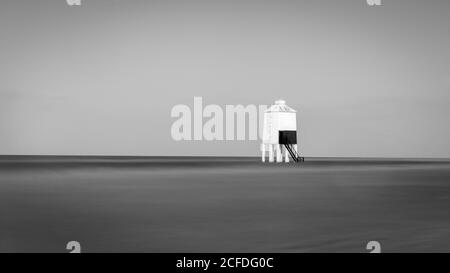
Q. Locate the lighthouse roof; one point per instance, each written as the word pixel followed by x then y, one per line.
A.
pixel 280 106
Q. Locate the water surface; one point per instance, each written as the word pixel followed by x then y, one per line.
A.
pixel 208 204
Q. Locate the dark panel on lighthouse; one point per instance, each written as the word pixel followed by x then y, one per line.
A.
pixel 287 137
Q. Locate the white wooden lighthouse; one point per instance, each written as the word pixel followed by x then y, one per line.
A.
pixel 280 133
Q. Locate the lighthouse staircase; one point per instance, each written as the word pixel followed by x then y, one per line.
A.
pixel 295 156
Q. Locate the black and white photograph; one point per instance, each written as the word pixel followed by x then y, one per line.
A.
pixel 224 126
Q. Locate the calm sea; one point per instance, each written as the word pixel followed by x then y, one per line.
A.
pixel 212 204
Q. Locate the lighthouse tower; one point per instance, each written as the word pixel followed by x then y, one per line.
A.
pixel 280 133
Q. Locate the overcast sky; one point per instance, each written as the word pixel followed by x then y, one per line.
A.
pixel 102 78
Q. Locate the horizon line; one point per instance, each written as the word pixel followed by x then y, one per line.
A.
pixel 213 156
